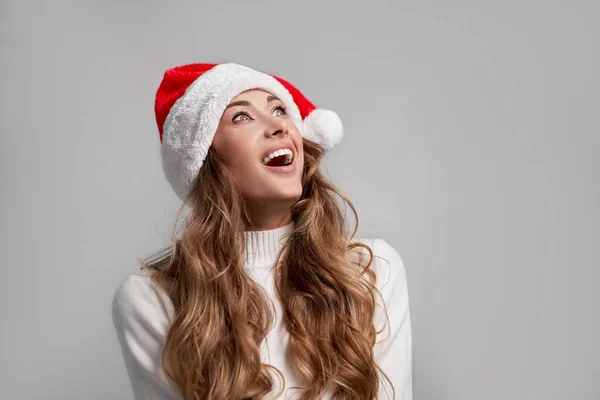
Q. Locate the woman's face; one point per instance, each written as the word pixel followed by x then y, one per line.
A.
pixel 254 125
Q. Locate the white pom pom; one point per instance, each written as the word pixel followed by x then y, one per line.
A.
pixel 324 127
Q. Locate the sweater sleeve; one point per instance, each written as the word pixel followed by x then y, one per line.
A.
pixel 141 326
pixel 393 350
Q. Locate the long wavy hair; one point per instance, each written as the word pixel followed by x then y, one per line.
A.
pixel 212 348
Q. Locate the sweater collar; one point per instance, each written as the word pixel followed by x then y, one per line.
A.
pixel 262 247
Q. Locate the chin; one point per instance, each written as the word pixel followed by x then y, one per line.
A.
pixel 271 190
pixel 290 195
pixel 286 195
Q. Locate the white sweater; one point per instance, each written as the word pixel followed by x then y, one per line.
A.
pixel 141 324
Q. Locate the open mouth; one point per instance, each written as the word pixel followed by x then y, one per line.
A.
pixel 280 161
pixel 279 158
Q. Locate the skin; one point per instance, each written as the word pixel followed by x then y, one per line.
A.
pixel 245 132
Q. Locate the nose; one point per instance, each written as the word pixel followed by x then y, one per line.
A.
pixel 276 126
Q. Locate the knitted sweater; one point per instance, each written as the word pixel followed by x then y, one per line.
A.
pixel 141 322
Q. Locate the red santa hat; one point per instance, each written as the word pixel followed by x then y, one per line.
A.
pixel 192 98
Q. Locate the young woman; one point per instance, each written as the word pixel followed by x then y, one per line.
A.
pixel 265 293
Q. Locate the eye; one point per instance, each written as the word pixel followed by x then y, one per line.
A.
pixel 281 109
pixel 240 114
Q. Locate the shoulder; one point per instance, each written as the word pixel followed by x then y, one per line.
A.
pixel 388 266
pixel 393 310
pixel 138 296
pixel 141 317
pixel 390 262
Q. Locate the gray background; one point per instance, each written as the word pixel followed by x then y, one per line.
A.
pixel 470 145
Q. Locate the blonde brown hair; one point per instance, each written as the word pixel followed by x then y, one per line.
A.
pixel 222 316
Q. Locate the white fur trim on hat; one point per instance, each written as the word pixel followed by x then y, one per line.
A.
pixel 191 124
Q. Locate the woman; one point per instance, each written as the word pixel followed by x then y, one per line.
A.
pixel 265 294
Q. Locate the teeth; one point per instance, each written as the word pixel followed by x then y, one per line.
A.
pixel 280 152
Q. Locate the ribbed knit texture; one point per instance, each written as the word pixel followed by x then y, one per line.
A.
pixel 262 247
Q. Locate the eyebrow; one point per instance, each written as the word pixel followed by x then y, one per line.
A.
pixel 247 103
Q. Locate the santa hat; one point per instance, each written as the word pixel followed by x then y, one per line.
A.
pixel 190 102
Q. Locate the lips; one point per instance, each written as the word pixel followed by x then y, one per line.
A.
pixel 283 169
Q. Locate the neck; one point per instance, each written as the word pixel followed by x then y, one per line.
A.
pixel 266 217
pixel 263 246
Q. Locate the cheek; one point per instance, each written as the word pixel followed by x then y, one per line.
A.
pixel 234 146
pixel 240 156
